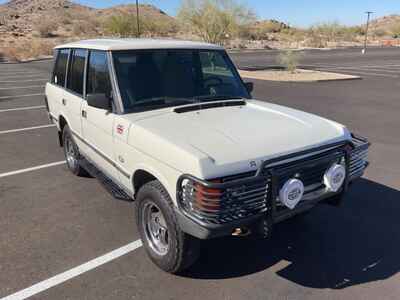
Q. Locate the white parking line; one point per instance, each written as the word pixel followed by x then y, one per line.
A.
pixel 70 274
pixel 21 96
pixel 26 129
pixel 366 68
pixel 16 172
pixel 22 108
pixel 29 80
pixel 18 72
pixel 22 76
pixel 21 87
pixel 356 71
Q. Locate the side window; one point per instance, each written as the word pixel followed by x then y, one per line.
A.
pixel 76 71
pixel 98 76
pixel 60 68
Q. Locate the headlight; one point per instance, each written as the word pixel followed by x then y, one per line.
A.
pixel 334 177
pixel 291 193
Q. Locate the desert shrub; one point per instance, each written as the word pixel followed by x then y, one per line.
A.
pixel 155 27
pixel 320 34
pixel 29 49
pixel 289 59
pixel 395 31
pixel 215 20
pixel 85 27
pixel 359 30
pixel 380 32
pixel 331 31
pixel 123 25
pixel 65 18
pixel 45 28
pixel 315 40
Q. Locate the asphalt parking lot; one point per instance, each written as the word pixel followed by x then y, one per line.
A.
pixel 56 228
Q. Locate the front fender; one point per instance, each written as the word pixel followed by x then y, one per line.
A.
pixel 168 178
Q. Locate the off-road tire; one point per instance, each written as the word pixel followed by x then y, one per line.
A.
pixel 183 249
pixel 67 138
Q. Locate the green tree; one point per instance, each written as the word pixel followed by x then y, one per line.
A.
pixel 215 20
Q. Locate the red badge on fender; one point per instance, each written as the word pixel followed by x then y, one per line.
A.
pixel 120 129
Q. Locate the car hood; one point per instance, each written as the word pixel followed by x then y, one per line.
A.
pixel 228 138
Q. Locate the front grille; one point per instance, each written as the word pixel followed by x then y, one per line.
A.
pixel 226 205
pixel 311 171
pixel 245 195
pixel 358 159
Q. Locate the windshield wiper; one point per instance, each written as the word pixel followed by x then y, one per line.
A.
pixel 216 98
pixel 161 101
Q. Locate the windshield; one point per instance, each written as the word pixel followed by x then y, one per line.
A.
pixel 153 79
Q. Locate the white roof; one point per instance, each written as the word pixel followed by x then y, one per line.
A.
pixel 132 44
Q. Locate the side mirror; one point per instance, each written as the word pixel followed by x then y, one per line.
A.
pixel 101 101
pixel 249 86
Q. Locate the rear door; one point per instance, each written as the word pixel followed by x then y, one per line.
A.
pixel 55 88
pixel 73 95
pixel 97 124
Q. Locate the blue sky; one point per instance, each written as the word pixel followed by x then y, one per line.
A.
pixel 295 12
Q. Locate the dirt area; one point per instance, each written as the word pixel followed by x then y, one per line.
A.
pixel 300 75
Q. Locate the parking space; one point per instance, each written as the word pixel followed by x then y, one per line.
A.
pixel 55 224
pixel 29 148
pixel 388 69
pixel 28 117
pixel 21 101
pixel 378 62
pixel 51 222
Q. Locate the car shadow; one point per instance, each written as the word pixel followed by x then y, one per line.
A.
pixel 331 247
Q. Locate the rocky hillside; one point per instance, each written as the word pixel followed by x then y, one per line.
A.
pixel 22 18
pixel 19 17
pixel 388 25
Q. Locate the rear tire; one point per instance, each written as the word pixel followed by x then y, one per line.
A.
pixel 167 245
pixel 71 153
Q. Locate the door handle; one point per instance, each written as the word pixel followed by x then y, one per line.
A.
pixel 64 102
pixel 84 114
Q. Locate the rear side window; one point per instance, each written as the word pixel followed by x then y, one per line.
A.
pixel 60 68
pixel 76 71
pixel 98 78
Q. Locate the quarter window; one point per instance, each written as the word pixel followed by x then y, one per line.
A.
pixel 98 80
pixel 60 69
pixel 76 71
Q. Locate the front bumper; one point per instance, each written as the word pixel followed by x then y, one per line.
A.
pixel 272 172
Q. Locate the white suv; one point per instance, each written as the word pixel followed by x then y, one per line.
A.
pixel 172 125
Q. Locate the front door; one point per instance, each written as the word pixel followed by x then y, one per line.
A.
pixel 97 124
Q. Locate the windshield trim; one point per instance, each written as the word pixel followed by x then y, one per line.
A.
pixel 125 110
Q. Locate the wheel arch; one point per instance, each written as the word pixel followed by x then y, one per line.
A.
pixel 143 175
pixel 62 121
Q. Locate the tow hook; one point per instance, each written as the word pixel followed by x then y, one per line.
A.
pixel 241 232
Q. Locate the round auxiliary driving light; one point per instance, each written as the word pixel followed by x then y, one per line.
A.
pixel 334 177
pixel 291 193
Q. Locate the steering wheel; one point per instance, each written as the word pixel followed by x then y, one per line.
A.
pixel 210 78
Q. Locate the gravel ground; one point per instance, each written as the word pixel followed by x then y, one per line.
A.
pixel 299 75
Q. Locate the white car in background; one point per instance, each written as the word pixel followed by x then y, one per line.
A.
pixel 172 125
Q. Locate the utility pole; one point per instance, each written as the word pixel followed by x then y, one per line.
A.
pixel 137 18
pixel 369 13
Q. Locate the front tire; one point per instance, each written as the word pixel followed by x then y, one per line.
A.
pixel 168 246
pixel 71 153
